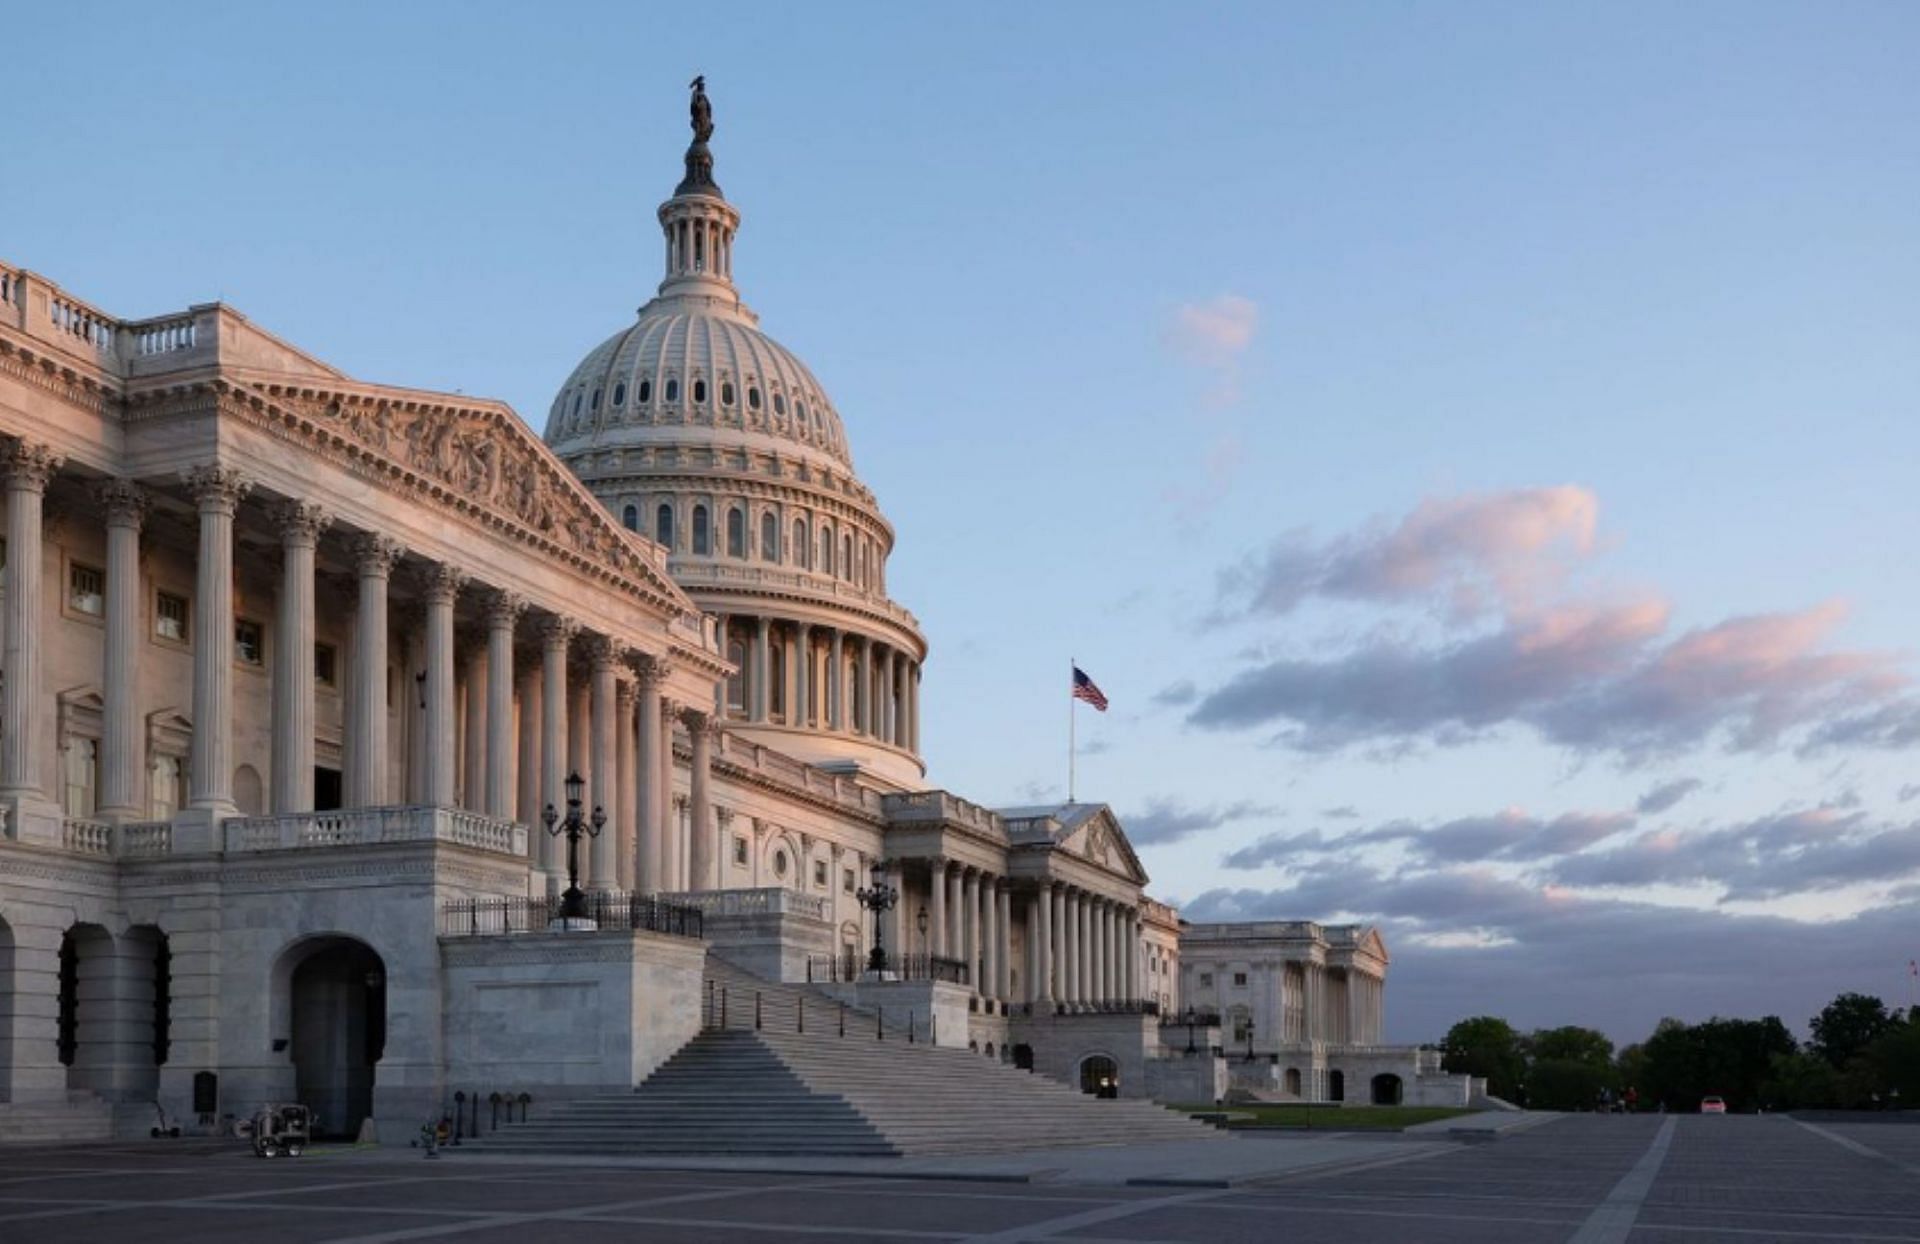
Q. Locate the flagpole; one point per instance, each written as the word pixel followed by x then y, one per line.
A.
pixel 1072 665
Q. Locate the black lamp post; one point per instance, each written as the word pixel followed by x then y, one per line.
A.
pixel 876 898
pixel 1190 1019
pixel 573 905
pixel 1249 1040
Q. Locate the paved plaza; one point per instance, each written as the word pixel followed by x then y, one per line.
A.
pixel 1589 1179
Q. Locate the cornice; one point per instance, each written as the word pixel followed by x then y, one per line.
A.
pixel 58 377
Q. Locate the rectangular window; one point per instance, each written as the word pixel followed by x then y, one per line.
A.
pixel 248 648
pixel 325 664
pixel 820 873
pixel 170 617
pixel 86 590
pixel 164 798
pixel 83 767
pixel 740 851
pixel 1206 980
pixel 1239 980
pixel 846 880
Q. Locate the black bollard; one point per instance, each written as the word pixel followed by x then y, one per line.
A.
pixel 493 1124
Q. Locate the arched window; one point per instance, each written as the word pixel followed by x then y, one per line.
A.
pixel 846 557
pixel 630 518
pixel 737 681
pixel 736 532
pixel 673 390
pixel 779 403
pixel 826 551
pixel 769 537
pixel 777 679
pixel 663 524
pixel 800 408
pixel 699 393
pixel 861 578
pixel 620 393
pixel 646 392
pixel 576 403
pixel 802 547
pixel 726 393
pixel 753 398
pixel 701 536
pixel 595 403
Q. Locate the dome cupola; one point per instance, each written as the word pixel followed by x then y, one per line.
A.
pixel 703 433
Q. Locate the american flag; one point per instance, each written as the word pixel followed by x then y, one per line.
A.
pixel 1084 689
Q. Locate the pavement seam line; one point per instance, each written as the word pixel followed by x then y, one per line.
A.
pixel 1612 1219
pixel 1847 1142
pixel 1050 1227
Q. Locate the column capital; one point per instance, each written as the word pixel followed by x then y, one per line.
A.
pixel 440 582
pixel 603 652
pixel 300 523
pixel 216 489
pixel 699 721
pixel 504 608
pixel 375 555
pixel 653 672
pixel 29 464
pixel 724 816
pixel 125 502
pixel 557 632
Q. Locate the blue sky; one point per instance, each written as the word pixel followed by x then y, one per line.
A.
pixel 1440 429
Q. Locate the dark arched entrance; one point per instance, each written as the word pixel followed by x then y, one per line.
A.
pixel 337 993
pixel 1023 1057
pixel 1386 1090
pixel 1336 1086
pixel 1291 1081
pixel 1100 1076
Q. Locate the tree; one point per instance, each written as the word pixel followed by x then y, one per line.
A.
pixel 1574 1045
pixel 1848 1025
pixel 1486 1046
pixel 1567 1083
pixel 1730 1058
pixel 1800 1082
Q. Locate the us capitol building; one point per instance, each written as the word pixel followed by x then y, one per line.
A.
pixel 294 665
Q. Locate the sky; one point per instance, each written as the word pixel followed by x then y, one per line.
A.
pixel 1470 445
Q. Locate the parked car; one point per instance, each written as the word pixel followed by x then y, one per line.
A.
pixel 1713 1105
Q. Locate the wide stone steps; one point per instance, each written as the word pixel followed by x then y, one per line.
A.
pixel 777 1077
pixel 81 1116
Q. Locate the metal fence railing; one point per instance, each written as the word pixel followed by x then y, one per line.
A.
pixel 485 917
pixel 848 966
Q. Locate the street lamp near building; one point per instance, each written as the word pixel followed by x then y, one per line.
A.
pixel 878 897
pixel 921 921
pixel 1249 1040
pixel 573 903
pixel 1191 1017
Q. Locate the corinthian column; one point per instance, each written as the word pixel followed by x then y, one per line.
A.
pixel 1003 955
pixel 625 812
pixel 300 526
pixel 989 939
pixel 503 612
pixel 28 469
pixel 217 491
pixel 603 653
pixel 555 633
pixel 970 929
pixel 701 729
pixel 442 584
pixel 374 557
pixel 801 713
pixel 120 750
pixel 1040 930
pixel 836 691
pixel 937 896
pixel 650 860
pixel 865 690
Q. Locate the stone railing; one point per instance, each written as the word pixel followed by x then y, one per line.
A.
pixel 770 901
pixel 359 827
pixel 784 769
pixel 86 837
pixel 938 805
pixel 705 571
pixel 141 838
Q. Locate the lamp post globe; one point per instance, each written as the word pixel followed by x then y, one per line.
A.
pixel 573 904
pixel 878 897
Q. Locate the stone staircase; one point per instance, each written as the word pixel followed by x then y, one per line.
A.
pixel 77 1117
pixel 795 1086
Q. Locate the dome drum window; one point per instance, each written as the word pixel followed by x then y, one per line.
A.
pixel 726 393
pixel 779 403
pixel 620 393
pixel 753 398
pixel 699 393
pixel 673 390
pixel 646 392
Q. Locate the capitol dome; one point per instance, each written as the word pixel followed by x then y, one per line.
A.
pixel 703 433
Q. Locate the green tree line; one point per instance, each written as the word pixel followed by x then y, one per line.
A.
pixel 1861 1056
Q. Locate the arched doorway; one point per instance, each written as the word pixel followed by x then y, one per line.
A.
pixel 1100 1076
pixel 336 991
pixel 1292 1081
pixel 1386 1090
pixel 1336 1086
pixel 1023 1057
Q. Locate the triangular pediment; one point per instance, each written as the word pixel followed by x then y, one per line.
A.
pixel 1098 838
pixel 479 456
